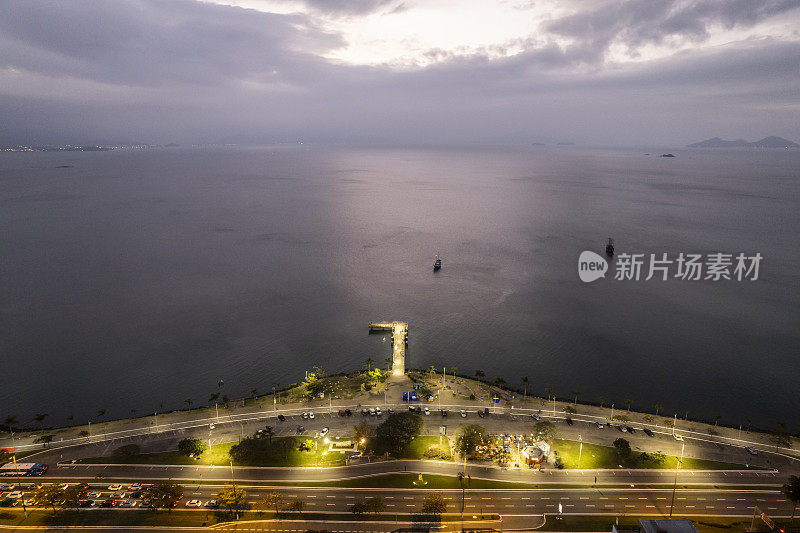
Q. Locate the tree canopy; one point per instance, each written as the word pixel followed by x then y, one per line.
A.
pixel 546 430
pixel 192 447
pixel 468 438
pixel 164 494
pixel 623 448
pixel 398 430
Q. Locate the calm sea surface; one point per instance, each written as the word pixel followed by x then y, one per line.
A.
pixel 134 279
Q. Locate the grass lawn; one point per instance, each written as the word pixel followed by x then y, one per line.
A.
pixel 595 456
pixel 178 517
pixel 417 448
pixel 284 451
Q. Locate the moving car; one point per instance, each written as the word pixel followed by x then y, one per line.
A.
pixel 94 495
pixel 194 503
pixel 115 487
pixel 213 504
pixel 17 494
pixel 135 486
pixel 128 503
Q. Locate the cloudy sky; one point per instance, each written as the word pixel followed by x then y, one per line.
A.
pixel 399 71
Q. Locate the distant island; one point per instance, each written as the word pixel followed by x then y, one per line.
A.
pixel 766 142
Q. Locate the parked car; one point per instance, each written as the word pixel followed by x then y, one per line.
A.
pixel 117 495
pixel 411 408
pixel 444 412
pixel 390 411
pixel 305 415
pixel 463 414
pixel 324 431
pixel 365 412
pixel 599 425
pixel 107 503
pixel 647 432
pixel 427 411
pixel 212 425
pixel 630 429
pixel 751 450
pixel 535 416
pixel 348 412
pixel 311 415
pixel 17 494
pixel 300 430
pixel 569 421
pixel 371 411
pixel 341 412
pixel 86 503
pixel 378 411
pixel 282 418
pixel 481 414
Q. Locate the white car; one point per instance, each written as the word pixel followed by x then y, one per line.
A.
pixel 211 425
pixel 324 431
pixel 194 503
pixel 535 416
pixel 378 411
pixel 7 486
pixel 305 415
pixel 427 411
pixel 94 495
pixel 129 503
pixel 114 487
pixel 16 495
pixel 212 504
pixel 135 486
pixel 463 414
pixel 311 415
pixel 371 411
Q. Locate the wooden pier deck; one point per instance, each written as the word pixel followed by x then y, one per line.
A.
pixel 399 342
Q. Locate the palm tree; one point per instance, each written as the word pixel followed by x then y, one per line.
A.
pixel 499 382
pixel 525 382
pixel 101 413
pixel 368 363
pixel 576 397
pixel 454 369
pixel 480 374
pixel 253 392
pixel 70 418
pixel 657 407
pixel 549 392
pixel 716 420
pixel 10 422
pixel 40 418
pixel 269 432
pixel 602 401
pixel 188 402
pixel 133 413
pixel 213 397
pixel 628 402
pixel 791 489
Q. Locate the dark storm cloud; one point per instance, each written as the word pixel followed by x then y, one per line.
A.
pixel 353 7
pixel 148 43
pixel 160 71
pixel 638 22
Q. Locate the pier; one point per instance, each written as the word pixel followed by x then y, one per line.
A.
pixel 399 341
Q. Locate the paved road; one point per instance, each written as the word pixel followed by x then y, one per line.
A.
pixel 616 501
pixel 225 430
pixel 582 477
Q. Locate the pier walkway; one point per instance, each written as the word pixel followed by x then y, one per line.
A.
pixel 399 341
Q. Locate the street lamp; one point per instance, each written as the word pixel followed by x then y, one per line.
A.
pixel 675 483
pixel 580 452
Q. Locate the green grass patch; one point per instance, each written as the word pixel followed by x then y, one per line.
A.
pixel 422 447
pixel 284 451
pixel 596 456
pixel 406 481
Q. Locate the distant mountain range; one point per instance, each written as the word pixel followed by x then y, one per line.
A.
pixel 766 142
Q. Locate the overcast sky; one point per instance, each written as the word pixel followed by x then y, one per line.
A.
pixel 399 71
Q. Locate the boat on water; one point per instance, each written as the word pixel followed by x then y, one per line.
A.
pixel 610 247
pixel 437 264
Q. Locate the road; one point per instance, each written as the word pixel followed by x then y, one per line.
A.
pixel 225 430
pixel 614 501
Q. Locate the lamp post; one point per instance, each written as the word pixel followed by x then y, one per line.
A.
pixel 580 452
pixel 675 483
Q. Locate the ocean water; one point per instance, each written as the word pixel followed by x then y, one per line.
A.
pixel 132 280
